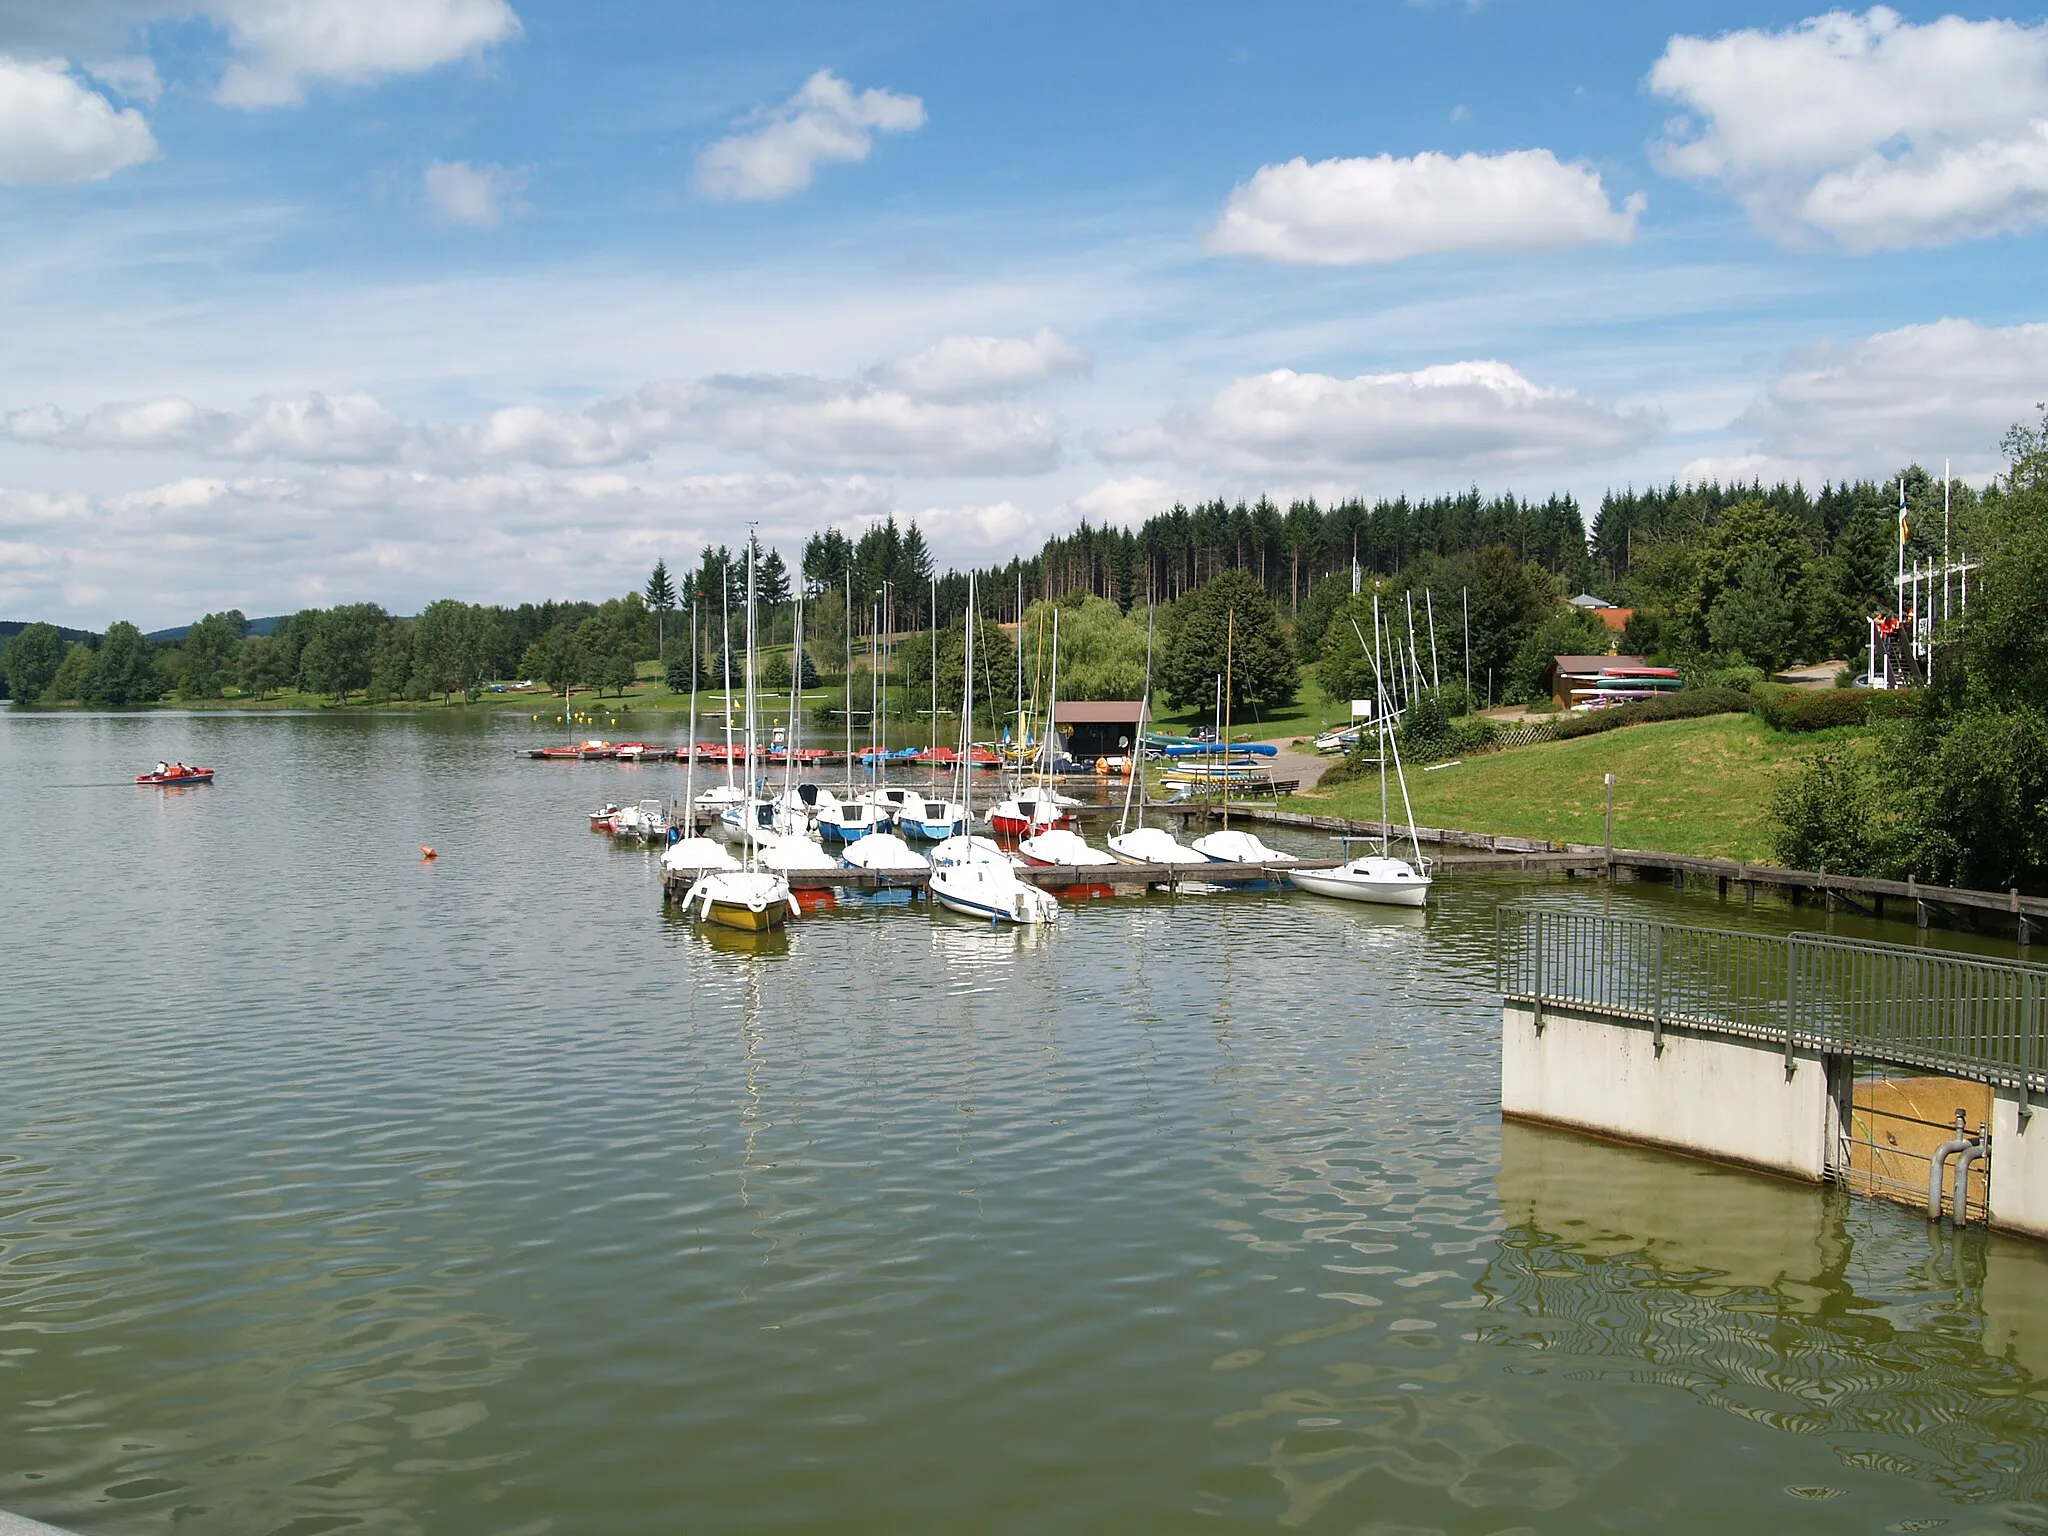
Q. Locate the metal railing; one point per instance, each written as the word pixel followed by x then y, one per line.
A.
pixel 1884 1003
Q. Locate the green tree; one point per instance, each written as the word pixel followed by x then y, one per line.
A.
pixel 447 649
pixel 261 665
pixel 33 657
pixel 210 654
pixel 1567 632
pixel 1746 532
pixel 75 672
pixel 339 652
pixel 1102 651
pixel 614 670
pixel 660 597
pixel 557 659
pixel 1230 613
pixel 124 672
pixel 1756 618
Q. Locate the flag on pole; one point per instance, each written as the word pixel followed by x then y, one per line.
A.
pixel 1903 529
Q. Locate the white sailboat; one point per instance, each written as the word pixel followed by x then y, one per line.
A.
pixel 750 899
pixel 978 886
pixel 1380 877
pixel 884 851
pixel 1063 849
pixel 1029 812
pixel 691 852
pixel 1142 844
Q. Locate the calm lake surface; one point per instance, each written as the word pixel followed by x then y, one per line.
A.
pixel 343 1192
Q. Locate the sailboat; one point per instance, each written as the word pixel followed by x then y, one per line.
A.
pixel 1379 877
pixel 977 880
pixel 691 851
pixel 750 899
pixel 720 798
pixel 1142 844
pixel 1029 812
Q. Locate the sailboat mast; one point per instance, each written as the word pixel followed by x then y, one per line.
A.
pixel 1134 765
pixel 935 682
pixel 690 767
pixel 725 653
pixel 752 840
pixel 1229 649
pixel 967 722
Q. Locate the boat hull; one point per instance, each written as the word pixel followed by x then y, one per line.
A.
pixel 745 919
pixel 1374 890
pixel 174 780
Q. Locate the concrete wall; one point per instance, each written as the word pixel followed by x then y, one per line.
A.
pixel 1710 1095
pixel 2019 1167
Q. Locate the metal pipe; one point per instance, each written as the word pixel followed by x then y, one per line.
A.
pixel 1976 1150
pixel 1939 1165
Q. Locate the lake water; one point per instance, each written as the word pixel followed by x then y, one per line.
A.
pixel 344 1192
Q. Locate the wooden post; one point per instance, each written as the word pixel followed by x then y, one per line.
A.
pixel 1610 826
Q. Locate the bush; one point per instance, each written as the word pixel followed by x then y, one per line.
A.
pixel 1806 709
pixel 1741 677
pixel 1430 734
pixel 1823 817
pixel 1686 704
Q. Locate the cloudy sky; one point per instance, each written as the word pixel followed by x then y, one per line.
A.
pixel 305 301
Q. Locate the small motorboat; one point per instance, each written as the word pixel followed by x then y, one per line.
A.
pixel 176 778
pixel 646 822
pixel 972 850
pixel 697 854
pixel 887 853
pixel 992 892
pixel 1062 850
pixel 1234 847
pixel 792 851
pixel 1378 877
pixel 1028 814
pixel 606 819
pixel 848 821
pixel 752 901
pixel 1152 845
pixel 932 821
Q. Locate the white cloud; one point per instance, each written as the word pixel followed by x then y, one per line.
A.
pixel 789 421
pixel 1949 389
pixel 481 196
pixel 1126 501
pixel 969 535
pixel 166 553
pixel 1870 129
pixel 53 129
pixel 1382 209
pixel 825 123
pixel 971 367
pixel 1462 418
pixel 282 46
pixel 314 429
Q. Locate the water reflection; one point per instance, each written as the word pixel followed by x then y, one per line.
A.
pixel 1909 1349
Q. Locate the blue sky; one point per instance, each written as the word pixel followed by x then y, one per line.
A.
pixel 318 300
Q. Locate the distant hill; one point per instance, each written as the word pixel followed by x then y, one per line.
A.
pixel 9 628
pixel 256 627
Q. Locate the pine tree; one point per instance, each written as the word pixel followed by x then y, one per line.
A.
pixel 661 601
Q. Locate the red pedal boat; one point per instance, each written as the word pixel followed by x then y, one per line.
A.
pixel 176 777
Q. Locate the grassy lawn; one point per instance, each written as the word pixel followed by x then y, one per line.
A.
pixel 1310 713
pixel 1699 787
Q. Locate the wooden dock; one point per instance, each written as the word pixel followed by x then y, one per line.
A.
pixel 1953 907
pixel 1120 877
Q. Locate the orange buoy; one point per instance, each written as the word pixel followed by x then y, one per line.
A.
pixel 427 853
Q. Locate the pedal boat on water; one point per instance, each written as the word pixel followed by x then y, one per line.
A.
pixel 176 778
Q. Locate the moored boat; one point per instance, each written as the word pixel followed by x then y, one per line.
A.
pixel 1151 845
pixel 1235 847
pixel 1378 878
pixel 1063 850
